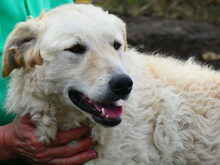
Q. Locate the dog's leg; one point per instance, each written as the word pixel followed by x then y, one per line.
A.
pixel 46 127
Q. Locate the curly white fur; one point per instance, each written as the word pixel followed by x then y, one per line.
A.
pixel 172 116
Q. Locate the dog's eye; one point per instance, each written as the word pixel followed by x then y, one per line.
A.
pixel 117 45
pixel 78 49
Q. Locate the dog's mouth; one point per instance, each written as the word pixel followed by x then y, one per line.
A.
pixel 105 114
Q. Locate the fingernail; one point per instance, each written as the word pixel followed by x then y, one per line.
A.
pixel 92 153
pixel 90 140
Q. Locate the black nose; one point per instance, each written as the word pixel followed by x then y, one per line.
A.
pixel 121 85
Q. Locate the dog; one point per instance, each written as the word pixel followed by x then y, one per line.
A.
pixel 72 66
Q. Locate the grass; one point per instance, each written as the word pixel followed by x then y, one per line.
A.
pixel 200 10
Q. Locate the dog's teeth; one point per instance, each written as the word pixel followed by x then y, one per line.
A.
pixel 103 111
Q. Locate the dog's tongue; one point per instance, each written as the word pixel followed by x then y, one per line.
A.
pixel 109 111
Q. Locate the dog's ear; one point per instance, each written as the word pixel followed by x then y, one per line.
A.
pixel 21 48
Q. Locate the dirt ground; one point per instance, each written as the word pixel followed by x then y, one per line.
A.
pixel 178 38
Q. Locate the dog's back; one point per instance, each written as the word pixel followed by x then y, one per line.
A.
pixel 178 102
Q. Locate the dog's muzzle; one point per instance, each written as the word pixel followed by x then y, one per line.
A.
pixel 108 112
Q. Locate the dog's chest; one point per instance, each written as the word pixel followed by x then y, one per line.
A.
pixel 122 145
pixel 68 119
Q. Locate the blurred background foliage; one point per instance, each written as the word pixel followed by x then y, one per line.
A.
pixel 196 10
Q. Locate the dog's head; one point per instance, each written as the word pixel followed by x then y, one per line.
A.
pixel 79 49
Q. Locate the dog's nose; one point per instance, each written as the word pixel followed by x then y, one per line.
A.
pixel 121 85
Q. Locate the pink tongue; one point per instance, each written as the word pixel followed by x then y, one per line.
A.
pixel 110 111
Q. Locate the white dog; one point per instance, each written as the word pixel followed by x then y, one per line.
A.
pixel 73 68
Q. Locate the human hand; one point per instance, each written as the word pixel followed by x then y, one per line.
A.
pixel 17 140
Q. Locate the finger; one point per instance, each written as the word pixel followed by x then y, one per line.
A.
pixel 67 150
pixel 30 149
pixel 77 159
pixel 29 141
pixel 64 137
pixel 32 162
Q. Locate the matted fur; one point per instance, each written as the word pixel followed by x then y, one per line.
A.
pixel 172 116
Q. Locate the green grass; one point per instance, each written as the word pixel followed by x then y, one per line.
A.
pixel 201 10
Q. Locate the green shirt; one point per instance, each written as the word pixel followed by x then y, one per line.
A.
pixel 12 12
